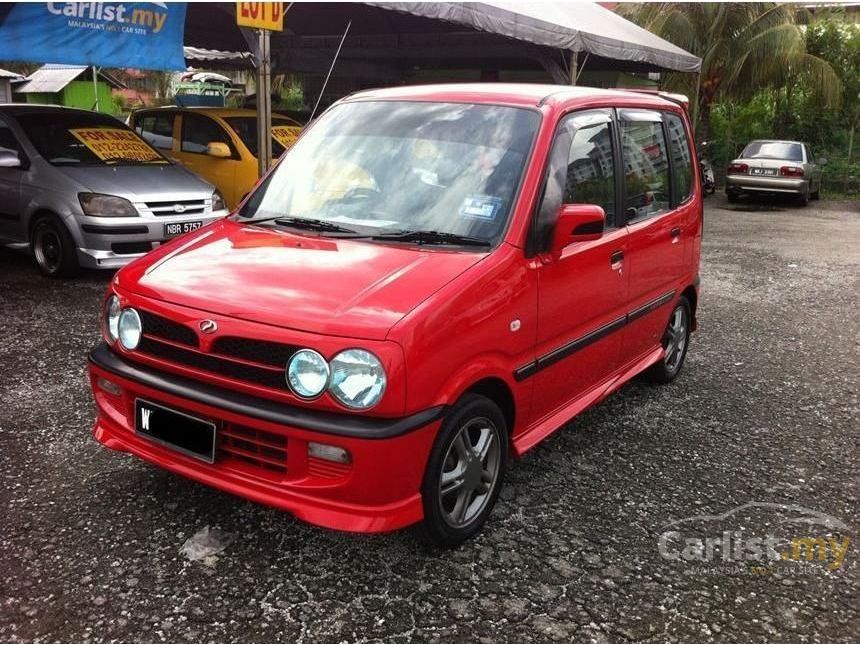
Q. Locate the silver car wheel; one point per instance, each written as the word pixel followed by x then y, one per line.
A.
pixel 470 472
pixel 675 339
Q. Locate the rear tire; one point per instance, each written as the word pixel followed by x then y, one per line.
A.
pixel 817 193
pixel 676 341
pixel 803 198
pixel 53 248
pixel 465 471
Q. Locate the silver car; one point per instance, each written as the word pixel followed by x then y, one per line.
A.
pixel 83 190
pixel 787 167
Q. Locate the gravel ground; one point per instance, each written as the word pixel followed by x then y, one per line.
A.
pixel 766 411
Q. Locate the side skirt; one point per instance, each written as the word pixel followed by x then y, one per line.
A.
pixel 540 430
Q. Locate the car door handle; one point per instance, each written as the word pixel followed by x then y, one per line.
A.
pixel 616 259
pixel 676 234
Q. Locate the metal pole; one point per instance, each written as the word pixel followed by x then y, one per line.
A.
pixel 264 103
pixel 573 62
pixel 96 86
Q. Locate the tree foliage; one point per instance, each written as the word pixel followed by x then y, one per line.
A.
pixel 744 48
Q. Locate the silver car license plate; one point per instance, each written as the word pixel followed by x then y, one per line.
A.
pixel 763 171
pixel 179 228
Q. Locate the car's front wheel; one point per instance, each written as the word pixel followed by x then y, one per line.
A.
pixel 465 471
pixel 53 248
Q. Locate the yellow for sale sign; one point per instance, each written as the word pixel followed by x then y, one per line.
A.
pixel 115 143
pixel 286 135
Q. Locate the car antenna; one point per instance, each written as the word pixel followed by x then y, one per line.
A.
pixel 330 69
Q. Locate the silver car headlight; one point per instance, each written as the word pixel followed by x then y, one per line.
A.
pixel 357 379
pixel 129 328
pixel 112 311
pixel 307 374
pixel 96 205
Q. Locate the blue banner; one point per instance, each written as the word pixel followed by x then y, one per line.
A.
pixel 141 35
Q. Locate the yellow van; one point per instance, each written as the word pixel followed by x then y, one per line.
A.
pixel 219 144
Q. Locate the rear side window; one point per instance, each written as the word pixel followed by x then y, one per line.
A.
pixel 199 131
pixel 157 130
pixel 682 159
pixel 646 165
pixel 591 167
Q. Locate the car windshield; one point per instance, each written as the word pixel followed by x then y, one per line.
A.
pixel 284 132
pixel 389 166
pixel 773 150
pixel 86 139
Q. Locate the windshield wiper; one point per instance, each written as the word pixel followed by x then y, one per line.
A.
pixel 306 223
pixel 431 237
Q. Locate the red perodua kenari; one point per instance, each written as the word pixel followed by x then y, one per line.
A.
pixel 433 279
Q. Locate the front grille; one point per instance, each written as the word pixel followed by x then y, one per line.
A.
pixel 250 447
pixel 229 356
pixel 273 378
pixel 158 326
pixel 258 351
pixel 186 207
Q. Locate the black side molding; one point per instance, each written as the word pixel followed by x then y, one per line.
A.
pixel 550 358
pixel 343 425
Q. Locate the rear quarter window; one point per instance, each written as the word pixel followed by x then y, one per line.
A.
pixel 682 158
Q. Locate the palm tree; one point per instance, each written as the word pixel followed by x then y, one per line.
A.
pixel 744 48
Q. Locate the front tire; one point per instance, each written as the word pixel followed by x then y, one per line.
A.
pixel 465 471
pixel 53 248
pixel 676 341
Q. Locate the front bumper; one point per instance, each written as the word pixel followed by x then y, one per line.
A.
pixel 742 183
pixel 378 491
pixel 108 243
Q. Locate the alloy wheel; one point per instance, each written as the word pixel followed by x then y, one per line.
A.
pixel 675 339
pixel 470 471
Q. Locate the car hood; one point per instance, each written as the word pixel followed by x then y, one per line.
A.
pixel 322 285
pixel 140 183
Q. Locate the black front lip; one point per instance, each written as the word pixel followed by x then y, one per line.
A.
pixel 343 425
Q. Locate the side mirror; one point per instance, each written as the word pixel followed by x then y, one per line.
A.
pixel 218 149
pixel 822 161
pixel 9 159
pixel 577 223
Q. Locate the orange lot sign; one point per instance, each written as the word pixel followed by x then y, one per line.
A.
pixel 115 143
pixel 262 15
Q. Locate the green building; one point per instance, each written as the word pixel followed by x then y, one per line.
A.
pixel 69 85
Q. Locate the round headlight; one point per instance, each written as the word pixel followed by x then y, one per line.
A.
pixel 357 379
pixel 307 374
pixel 129 328
pixel 112 310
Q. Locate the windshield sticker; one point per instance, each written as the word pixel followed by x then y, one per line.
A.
pixel 286 135
pixel 481 207
pixel 114 144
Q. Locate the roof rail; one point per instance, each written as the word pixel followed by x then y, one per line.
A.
pixel 679 99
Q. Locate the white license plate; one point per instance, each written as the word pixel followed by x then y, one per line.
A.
pixel 180 228
pixel 763 171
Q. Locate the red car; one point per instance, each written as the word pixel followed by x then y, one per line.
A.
pixel 432 280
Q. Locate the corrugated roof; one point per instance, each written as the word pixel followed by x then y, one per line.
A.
pixel 5 73
pixel 51 78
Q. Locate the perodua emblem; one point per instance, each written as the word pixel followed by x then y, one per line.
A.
pixel 208 326
pixel 179 208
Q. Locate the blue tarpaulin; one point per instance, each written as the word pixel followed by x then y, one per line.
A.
pixel 141 35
